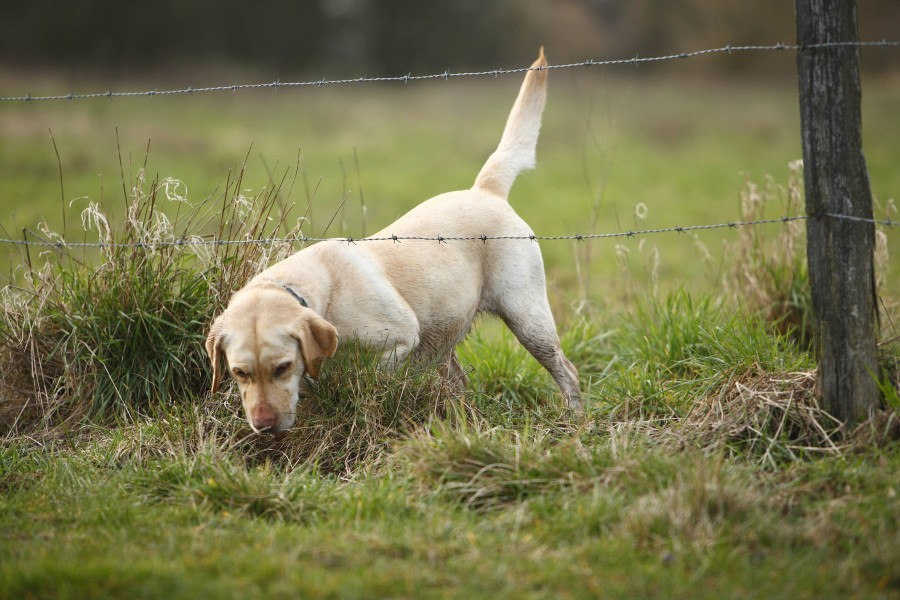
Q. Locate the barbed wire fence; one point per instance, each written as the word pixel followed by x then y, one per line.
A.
pixel 635 61
pixel 447 75
pixel 439 239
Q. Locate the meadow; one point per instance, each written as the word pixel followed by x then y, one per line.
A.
pixel 704 467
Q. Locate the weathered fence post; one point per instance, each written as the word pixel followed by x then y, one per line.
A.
pixel 840 252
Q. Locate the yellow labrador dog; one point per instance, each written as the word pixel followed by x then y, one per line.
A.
pixel 414 298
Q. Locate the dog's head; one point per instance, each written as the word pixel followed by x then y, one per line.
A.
pixel 269 342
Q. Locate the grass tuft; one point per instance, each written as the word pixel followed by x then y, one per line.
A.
pixel 771 276
pixel 667 354
pixel 703 502
pixel 487 468
pixel 122 337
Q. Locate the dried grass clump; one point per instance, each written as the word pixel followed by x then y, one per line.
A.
pixel 29 362
pixel 882 427
pixel 769 416
pixel 774 418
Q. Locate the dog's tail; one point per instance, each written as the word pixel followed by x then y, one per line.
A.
pixel 516 151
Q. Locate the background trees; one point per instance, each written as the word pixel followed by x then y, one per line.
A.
pixel 392 36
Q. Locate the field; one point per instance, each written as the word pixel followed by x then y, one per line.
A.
pixel 703 468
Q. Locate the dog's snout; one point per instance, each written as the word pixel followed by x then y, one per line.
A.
pixel 264 419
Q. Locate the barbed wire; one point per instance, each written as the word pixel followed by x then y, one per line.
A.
pixel 446 75
pixel 303 239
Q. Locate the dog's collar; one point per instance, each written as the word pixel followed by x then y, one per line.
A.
pixel 296 296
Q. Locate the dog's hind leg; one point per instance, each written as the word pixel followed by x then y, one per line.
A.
pixel 517 293
pixel 532 323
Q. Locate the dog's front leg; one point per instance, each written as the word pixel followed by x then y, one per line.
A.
pixel 394 343
pixel 455 380
pixel 391 357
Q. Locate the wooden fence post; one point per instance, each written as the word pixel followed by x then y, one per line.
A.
pixel 840 252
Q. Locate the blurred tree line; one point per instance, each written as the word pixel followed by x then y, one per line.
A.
pixel 391 37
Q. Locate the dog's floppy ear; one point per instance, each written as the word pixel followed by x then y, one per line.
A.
pixel 214 350
pixel 318 339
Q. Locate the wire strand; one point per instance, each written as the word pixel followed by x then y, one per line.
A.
pixel 446 75
pixel 187 242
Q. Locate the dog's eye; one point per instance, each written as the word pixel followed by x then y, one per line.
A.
pixel 281 369
pixel 239 373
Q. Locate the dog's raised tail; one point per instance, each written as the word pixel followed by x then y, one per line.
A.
pixel 516 151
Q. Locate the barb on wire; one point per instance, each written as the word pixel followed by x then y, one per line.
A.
pixel 635 61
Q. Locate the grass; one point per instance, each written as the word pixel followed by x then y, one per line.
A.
pixel 704 466
pixel 464 510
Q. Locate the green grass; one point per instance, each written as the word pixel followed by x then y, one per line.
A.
pixel 462 509
pixel 383 489
pixel 703 468
pixel 493 494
